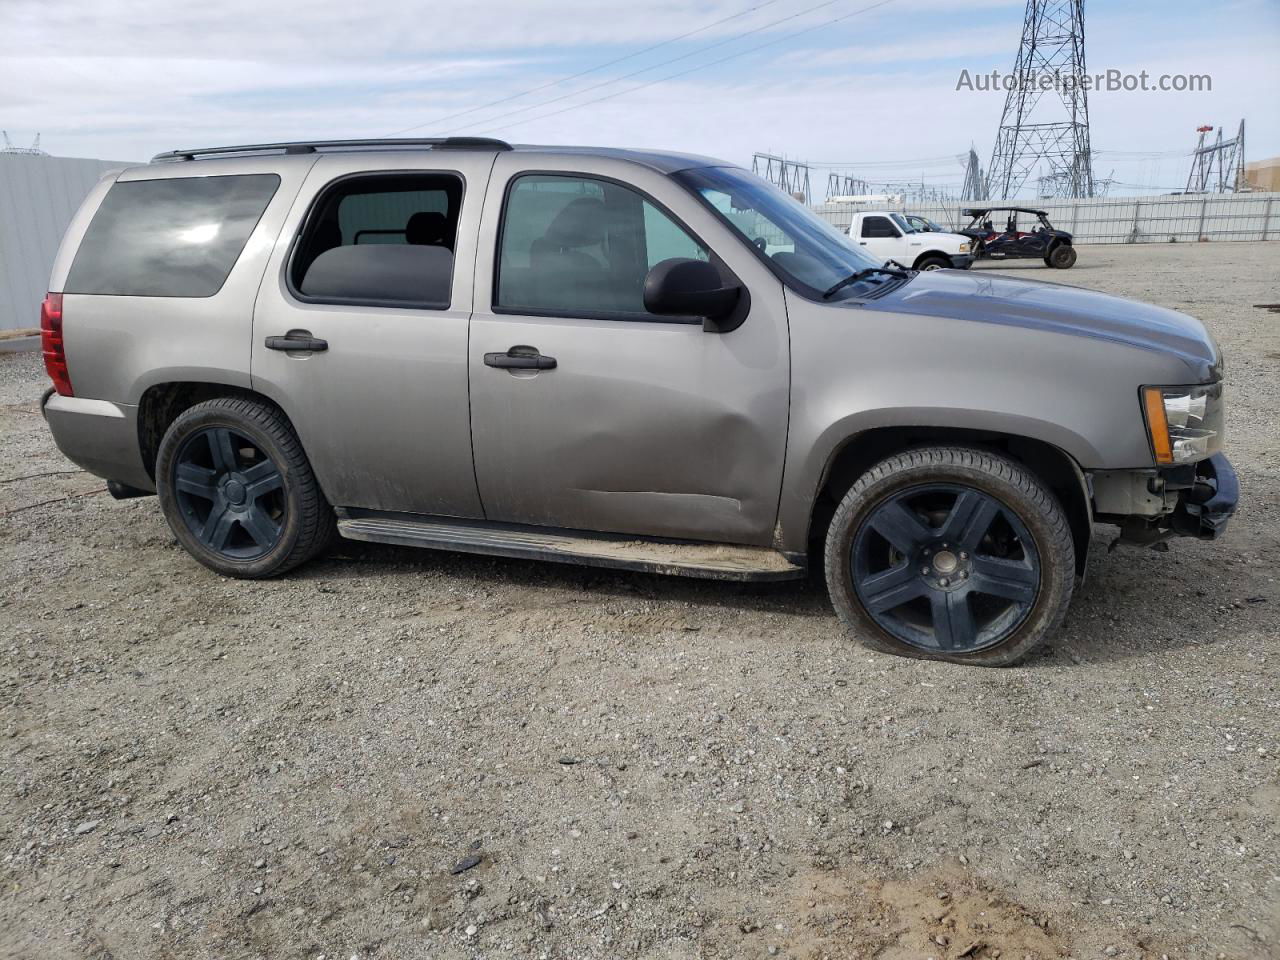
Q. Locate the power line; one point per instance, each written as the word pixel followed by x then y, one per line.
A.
pixel 589 70
pixel 655 66
pixel 950 160
pixel 705 66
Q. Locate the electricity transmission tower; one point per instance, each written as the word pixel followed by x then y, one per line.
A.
pixel 1053 133
pixel 1226 156
pixel 845 185
pixel 31 151
pixel 975 184
pixel 788 175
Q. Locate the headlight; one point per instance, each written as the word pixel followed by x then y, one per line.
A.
pixel 964 248
pixel 1185 423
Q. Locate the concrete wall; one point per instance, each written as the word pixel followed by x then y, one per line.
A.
pixel 1160 219
pixel 38 197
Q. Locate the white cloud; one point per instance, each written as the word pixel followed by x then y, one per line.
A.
pixel 127 78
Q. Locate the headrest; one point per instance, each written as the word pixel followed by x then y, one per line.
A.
pixel 426 228
pixel 580 224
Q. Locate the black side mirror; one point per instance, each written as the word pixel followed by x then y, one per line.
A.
pixel 681 287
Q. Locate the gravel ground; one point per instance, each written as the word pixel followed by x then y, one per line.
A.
pixel 411 754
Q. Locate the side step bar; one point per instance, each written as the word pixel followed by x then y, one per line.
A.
pixel 676 557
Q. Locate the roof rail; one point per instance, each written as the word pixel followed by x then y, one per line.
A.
pixel 315 146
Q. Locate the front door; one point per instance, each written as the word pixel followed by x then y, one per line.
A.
pixel 615 419
pixel 881 238
pixel 379 280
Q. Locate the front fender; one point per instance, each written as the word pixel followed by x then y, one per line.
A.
pixel 857 368
pixel 802 487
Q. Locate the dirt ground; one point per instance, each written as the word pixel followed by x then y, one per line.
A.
pixel 396 754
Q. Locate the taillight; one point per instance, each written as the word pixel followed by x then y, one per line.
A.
pixel 55 355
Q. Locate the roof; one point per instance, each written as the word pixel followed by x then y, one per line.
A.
pixel 978 211
pixel 661 161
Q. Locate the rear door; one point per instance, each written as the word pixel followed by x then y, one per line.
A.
pixel 375 267
pixel 644 425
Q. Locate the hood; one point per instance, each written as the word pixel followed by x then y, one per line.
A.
pixel 1055 307
pixel 939 236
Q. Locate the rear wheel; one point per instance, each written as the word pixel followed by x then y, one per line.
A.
pixel 950 553
pixel 1062 256
pixel 238 491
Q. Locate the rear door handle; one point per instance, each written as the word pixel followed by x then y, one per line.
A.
pixel 294 342
pixel 526 359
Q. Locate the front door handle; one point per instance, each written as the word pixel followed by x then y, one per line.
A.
pixel 520 358
pixel 294 341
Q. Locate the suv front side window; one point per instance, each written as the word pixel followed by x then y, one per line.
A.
pixel 581 247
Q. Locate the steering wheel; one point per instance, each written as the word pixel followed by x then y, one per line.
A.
pixel 761 244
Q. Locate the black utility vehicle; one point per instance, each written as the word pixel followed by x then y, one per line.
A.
pixel 1043 241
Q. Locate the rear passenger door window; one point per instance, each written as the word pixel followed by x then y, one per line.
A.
pixel 380 240
pixel 581 247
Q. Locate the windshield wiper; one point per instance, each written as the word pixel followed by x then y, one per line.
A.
pixel 862 275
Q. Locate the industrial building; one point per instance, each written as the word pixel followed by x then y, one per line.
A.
pixel 39 194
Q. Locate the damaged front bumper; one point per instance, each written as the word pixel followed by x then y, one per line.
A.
pixel 1150 506
pixel 1204 509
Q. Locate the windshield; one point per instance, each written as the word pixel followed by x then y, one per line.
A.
pixel 810 254
pixel 902 222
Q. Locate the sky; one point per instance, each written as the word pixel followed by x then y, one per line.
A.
pixel 864 87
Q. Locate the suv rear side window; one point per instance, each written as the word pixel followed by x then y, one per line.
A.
pixel 173 237
pixel 581 247
pixel 380 240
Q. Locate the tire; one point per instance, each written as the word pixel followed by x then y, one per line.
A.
pixel 238 491
pixel 933 263
pixel 1062 256
pixel 982 577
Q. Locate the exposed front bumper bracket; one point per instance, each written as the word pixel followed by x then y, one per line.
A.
pixel 1150 506
pixel 1204 509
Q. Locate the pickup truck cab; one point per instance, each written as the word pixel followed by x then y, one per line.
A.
pixel 642 360
pixel 889 236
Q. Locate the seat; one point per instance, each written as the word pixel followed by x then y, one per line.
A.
pixel 564 276
pixel 430 229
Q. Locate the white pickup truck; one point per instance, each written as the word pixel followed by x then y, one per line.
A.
pixel 889 236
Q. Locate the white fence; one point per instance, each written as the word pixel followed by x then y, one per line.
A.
pixel 38 197
pixel 1171 219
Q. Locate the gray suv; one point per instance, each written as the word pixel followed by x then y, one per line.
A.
pixel 640 360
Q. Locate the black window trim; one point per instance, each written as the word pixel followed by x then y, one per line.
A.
pixel 609 315
pixel 235 263
pixel 314 206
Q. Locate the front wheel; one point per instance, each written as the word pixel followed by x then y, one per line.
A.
pixel 1062 257
pixel 933 263
pixel 238 491
pixel 950 553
